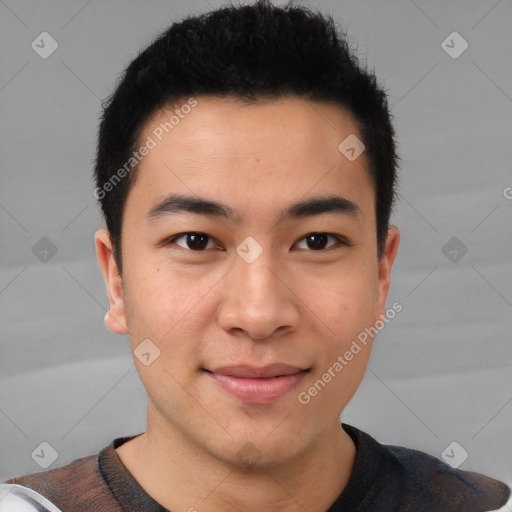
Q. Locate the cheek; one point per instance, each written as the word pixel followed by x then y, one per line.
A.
pixel 337 377
pixel 344 347
pixel 168 307
pixel 156 295
pixel 344 303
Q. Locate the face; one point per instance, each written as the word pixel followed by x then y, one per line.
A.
pixel 271 274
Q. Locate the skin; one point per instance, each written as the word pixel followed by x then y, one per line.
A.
pixel 212 308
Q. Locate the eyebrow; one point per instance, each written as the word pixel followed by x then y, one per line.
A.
pixel 178 203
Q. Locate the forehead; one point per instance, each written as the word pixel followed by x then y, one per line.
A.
pixel 251 155
pixel 232 124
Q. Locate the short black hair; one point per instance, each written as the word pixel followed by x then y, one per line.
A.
pixel 255 53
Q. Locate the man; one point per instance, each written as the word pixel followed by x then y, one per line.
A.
pixel 246 170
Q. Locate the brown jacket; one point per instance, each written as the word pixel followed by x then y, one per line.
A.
pixel 77 487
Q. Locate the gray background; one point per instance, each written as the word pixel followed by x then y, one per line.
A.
pixel 440 371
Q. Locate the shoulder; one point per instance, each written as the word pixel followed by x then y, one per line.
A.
pixel 77 470
pixel 434 481
pixel 80 486
pixel 404 479
pixel 75 486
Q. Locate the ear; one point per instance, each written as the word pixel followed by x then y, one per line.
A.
pixel 385 266
pixel 115 319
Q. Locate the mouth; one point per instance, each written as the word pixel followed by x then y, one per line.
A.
pixel 257 386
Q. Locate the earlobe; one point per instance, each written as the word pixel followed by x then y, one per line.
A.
pixel 116 324
pixel 115 319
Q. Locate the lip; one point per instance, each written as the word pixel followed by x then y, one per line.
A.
pixel 252 372
pixel 257 386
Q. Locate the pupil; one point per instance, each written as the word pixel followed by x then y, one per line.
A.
pixel 319 244
pixel 197 241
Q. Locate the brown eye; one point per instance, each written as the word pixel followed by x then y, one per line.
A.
pixel 318 241
pixel 193 241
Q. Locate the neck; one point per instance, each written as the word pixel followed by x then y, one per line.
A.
pixel 180 476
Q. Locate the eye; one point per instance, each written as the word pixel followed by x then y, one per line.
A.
pixel 317 241
pixel 197 241
pixel 193 240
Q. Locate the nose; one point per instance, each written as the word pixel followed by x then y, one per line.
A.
pixel 258 299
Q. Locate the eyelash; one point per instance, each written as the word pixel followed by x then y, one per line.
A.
pixel 341 241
